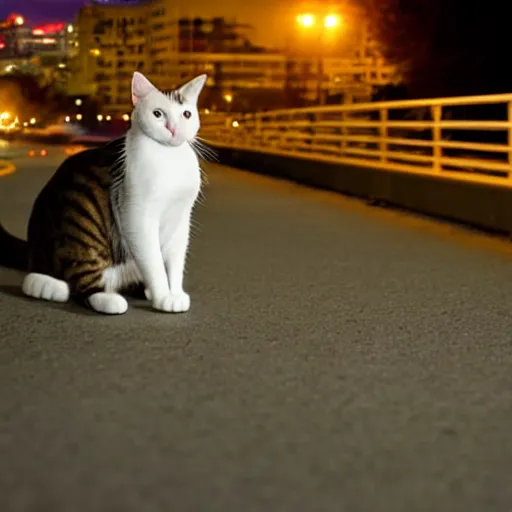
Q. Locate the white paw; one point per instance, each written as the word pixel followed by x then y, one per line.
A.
pixel 108 303
pixel 41 286
pixel 147 293
pixel 173 303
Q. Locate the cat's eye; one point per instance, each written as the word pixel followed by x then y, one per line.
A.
pixel 157 113
pixel 187 114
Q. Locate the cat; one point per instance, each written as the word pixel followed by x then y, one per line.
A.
pixel 119 215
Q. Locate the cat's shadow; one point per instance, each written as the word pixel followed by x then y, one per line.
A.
pixel 73 306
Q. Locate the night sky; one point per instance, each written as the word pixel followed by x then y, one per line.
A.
pixel 41 10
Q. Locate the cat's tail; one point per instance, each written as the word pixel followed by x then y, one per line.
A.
pixel 13 251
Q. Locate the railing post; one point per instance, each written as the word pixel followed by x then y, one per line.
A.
pixel 312 117
pixel 383 134
pixel 509 119
pixel 344 132
pixel 257 126
pixel 437 150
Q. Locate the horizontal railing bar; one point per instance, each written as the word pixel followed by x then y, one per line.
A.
pixel 350 123
pixel 374 139
pixel 397 105
pixel 470 146
pixel 491 165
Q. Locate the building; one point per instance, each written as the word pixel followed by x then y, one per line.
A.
pixel 117 38
pixel 17 40
pixel 44 50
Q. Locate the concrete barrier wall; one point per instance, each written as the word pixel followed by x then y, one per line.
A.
pixel 484 206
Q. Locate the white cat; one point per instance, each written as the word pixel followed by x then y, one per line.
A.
pixel 161 184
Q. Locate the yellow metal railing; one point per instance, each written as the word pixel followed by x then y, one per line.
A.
pixel 464 138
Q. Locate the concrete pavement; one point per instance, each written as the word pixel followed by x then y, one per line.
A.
pixel 336 358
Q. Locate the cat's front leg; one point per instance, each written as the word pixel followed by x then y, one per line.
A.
pixel 142 233
pixel 175 254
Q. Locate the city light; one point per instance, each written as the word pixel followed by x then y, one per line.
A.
pixel 206 111
pixel 228 98
pixel 126 117
pixel 306 20
pixel 78 102
pixel 95 52
pixel 79 117
pixel 62 65
pixel 19 20
pixel 33 120
pixel 70 29
pixel 331 21
pixel 99 117
pixel 235 124
pixel 7 123
pixel 68 119
pixel 50 28
pixel 108 118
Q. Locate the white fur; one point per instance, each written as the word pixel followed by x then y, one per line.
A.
pixel 173 303
pixel 117 277
pixel 108 303
pixel 42 286
pixel 161 185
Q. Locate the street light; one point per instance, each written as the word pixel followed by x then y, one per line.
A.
pixel 330 22
pixel 306 20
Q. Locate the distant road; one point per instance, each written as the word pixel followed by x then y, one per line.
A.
pixel 336 358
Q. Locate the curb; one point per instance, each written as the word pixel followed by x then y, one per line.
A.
pixel 6 168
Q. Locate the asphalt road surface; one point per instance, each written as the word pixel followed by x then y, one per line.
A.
pixel 336 357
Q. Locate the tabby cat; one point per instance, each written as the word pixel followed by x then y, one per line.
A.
pixel 119 215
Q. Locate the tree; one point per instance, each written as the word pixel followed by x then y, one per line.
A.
pixel 444 47
pixel 25 96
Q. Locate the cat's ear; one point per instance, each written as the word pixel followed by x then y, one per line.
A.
pixel 191 90
pixel 141 87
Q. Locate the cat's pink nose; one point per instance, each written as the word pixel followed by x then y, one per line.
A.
pixel 172 130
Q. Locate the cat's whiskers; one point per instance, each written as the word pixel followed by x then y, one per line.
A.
pixel 203 150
